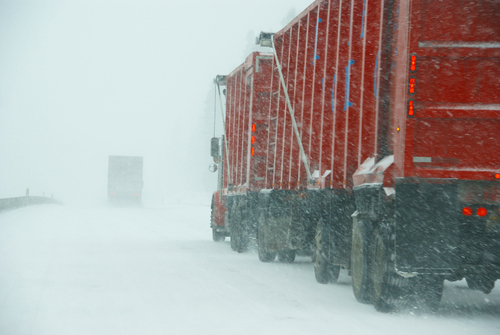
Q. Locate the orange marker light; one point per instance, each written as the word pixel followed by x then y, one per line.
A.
pixel 253 128
pixel 413 63
pixel 411 108
pixel 252 152
pixel 481 212
pixel 253 139
pixel 467 211
pixel 412 85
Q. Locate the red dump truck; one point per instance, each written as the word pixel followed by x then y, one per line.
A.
pixel 380 147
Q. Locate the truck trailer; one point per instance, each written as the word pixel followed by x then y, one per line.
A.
pixel 241 151
pixel 125 180
pixel 380 147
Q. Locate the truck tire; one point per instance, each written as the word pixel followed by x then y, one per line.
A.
pixel 324 271
pixel 360 270
pixel 428 291
pixel 232 228
pixel 241 242
pixel 236 232
pixel 232 240
pixel 264 255
pixel 216 236
pixel 286 256
pixel 244 232
pixel 239 232
pixel 389 290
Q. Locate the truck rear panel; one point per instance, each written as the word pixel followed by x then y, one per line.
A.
pixel 455 90
pixel 125 178
pixel 447 195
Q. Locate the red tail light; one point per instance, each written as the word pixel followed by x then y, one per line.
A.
pixel 412 85
pixel 497 176
pixel 467 211
pixel 413 63
pixel 411 108
pixel 481 212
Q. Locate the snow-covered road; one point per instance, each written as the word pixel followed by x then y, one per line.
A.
pixel 76 270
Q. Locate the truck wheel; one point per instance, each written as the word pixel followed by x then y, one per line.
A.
pixel 242 240
pixel 324 271
pixel 243 231
pixel 232 239
pixel 264 255
pixel 388 288
pixel 428 291
pixel 361 284
pixel 481 283
pixel 216 236
pixel 236 229
pixel 239 232
pixel 232 228
pixel 286 256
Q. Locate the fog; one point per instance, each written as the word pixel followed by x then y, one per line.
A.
pixel 82 80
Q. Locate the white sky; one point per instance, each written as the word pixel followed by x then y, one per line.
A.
pixel 81 80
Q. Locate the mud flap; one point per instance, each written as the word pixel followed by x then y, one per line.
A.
pixel 427 226
pixel 287 226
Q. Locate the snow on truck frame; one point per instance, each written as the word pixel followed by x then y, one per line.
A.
pixel 370 138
